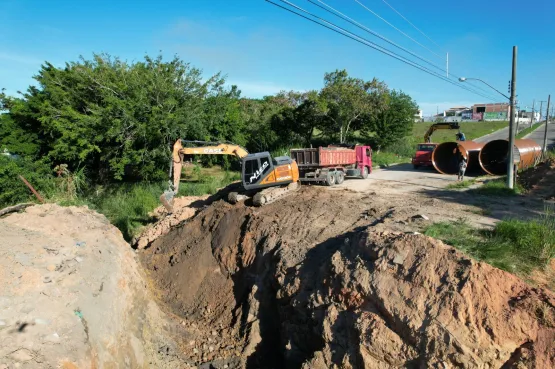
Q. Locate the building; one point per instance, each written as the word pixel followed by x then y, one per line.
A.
pixel 495 111
pixel 529 115
pixel 418 117
pixel 455 111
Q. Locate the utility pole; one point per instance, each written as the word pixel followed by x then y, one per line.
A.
pixel 532 119
pixel 510 162
pixel 545 131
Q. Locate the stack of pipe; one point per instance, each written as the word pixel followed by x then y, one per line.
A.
pixel 494 155
pixel 446 156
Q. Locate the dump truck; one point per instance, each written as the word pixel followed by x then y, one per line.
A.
pixel 332 164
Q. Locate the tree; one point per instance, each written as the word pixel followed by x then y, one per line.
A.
pixel 296 124
pixel 118 119
pixel 348 100
pixel 392 123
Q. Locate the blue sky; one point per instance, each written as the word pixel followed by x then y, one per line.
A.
pixel 264 49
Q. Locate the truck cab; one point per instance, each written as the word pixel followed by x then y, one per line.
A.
pixel 423 155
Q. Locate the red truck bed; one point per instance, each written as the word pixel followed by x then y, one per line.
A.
pixel 332 164
pixel 324 156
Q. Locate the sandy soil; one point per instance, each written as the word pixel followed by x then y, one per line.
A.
pixel 73 295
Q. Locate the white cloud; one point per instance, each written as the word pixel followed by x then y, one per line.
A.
pixel 258 89
pixel 431 108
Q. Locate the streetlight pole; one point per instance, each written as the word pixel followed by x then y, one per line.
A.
pixel 544 151
pixel 512 99
pixel 510 162
pixel 532 119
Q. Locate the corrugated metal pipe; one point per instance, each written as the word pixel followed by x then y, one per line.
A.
pixel 493 157
pixel 446 156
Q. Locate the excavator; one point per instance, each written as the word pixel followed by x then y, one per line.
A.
pixel 423 156
pixel 263 178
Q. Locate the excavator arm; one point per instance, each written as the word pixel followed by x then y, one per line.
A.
pixel 436 126
pixel 201 148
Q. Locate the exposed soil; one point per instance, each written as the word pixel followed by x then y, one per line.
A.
pixel 337 279
pixel 540 180
pixel 73 295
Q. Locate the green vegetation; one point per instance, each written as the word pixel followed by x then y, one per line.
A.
pixel 528 130
pixel 463 184
pixel 100 131
pixel 516 246
pixel 385 159
pixel 471 130
pixel 129 206
pixel 497 187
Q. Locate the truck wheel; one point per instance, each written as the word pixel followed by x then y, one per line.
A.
pixel 339 177
pixel 330 179
pixel 416 166
pixel 364 173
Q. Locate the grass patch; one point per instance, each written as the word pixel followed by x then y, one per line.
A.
pixel 528 130
pixel 463 184
pixel 516 246
pixel 471 130
pixel 128 206
pixel 385 159
pixel 497 187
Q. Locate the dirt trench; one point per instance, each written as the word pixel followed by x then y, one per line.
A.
pixel 336 279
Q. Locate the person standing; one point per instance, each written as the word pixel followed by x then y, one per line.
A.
pixel 462 168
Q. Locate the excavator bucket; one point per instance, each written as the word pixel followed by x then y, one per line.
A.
pixel 167 199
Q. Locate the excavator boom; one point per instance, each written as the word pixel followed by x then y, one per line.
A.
pixel 207 148
pixel 436 126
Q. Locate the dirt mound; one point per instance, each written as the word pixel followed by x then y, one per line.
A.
pixel 72 295
pixel 540 180
pixel 184 208
pixel 315 281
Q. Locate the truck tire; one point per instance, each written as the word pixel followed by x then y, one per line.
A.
pixel 339 177
pixel 416 166
pixel 364 173
pixel 330 179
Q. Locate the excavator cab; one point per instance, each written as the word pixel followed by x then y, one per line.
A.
pixel 260 170
pixel 255 168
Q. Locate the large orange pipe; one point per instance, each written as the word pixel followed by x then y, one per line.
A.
pixel 493 157
pixel 445 157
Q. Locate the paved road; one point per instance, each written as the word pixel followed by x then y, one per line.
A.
pixel 501 134
pixel 403 178
pixel 537 135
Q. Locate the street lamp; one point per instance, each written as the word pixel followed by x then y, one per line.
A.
pixel 512 99
pixel 464 79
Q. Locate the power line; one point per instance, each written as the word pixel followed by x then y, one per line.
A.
pixel 370 44
pixel 409 22
pixel 361 26
pixel 403 33
pixel 352 21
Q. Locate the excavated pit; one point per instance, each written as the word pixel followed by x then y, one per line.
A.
pixel 316 281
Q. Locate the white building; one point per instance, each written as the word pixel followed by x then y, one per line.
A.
pixel 418 116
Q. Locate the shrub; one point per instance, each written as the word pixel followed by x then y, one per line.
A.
pixel 37 172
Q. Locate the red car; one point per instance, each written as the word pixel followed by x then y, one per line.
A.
pixel 423 156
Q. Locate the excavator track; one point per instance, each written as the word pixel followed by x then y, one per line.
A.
pixel 270 195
